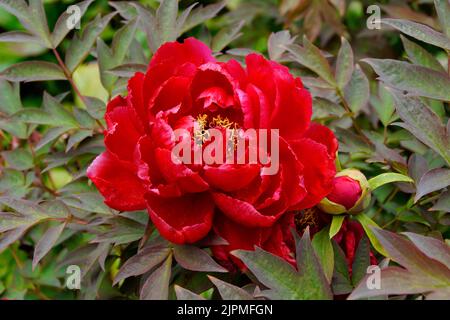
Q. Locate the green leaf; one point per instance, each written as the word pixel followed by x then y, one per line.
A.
pixel 324 251
pixel 46 242
pixel 312 58
pixel 432 247
pixel 10 97
pixel 142 262
pixel 185 294
pixel 324 108
pixel 58 113
pixel 18 37
pixel 156 287
pixel 81 45
pixel 431 181
pixel 361 261
pixel 38 20
pixel 195 259
pixel 11 236
pixel 277 44
pixel 417 80
pixel 420 56
pixel 383 105
pixel 421 274
pixel 282 279
pixel 387 177
pixel 61 30
pixel 19 8
pixel 200 15
pixel 166 18
pixel 19 159
pixel 225 36
pixel 33 71
pixel 423 123
pixel 443 203
pixel 10 221
pixel 110 58
pixel 230 292
pixel 420 32
pixel 367 225
pixel 443 11
pixel 24 207
pixel 15 183
pixel 357 91
pixel 341 279
pixel 344 64
pixel 127 70
pixel 336 224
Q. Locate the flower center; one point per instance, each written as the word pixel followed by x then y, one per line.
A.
pixel 203 124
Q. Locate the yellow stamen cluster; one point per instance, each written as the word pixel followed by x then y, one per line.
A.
pixel 201 133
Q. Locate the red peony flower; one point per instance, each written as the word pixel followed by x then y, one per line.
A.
pixel 183 87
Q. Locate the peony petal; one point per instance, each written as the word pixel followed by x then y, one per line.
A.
pixel 184 219
pixel 229 177
pixel 243 212
pixel 319 170
pixel 124 131
pixel 117 182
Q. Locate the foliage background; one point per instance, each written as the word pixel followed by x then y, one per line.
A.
pixel 53 90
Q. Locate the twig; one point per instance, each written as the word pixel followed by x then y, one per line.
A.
pixel 69 77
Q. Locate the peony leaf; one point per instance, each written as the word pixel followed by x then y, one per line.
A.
pixel 422 274
pixel 196 259
pixel 127 70
pixel 143 261
pixel 156 287
pixel 185 294
pixel 420 56
pixel 432 247
pixel 344 64
pixel 341 279
pixel 46 242
pixel 58 113
pixel 357 91
pixel 431 181
pixel 19 37
pixel 61 29
pixel 423 123
pixel 33 71
pixel 419 31
pixel 277 44
pixel 386 178
pixel 110 58
pixel 336 224
pixel 230 292
pixel 199 15
pixel 417 80
pixel 11 236
pixel 324 251
pixel 443 203
pixel 80 46
pixel 367 225
pixel 361 261
pixel 225 36
pixel 19 159
pixel 443 11
pixel 166 20
pixel 312 58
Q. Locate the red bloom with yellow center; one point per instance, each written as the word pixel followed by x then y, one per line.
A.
pixel 184 83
